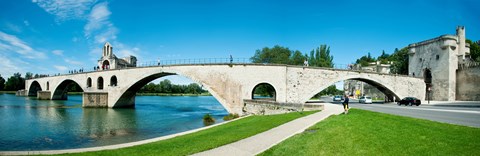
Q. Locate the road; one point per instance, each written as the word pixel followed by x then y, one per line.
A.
pixel 467 116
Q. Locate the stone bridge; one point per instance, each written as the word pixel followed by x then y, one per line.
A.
pixel 230 84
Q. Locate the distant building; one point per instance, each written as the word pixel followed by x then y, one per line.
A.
pixel 436 61
pixel 110 61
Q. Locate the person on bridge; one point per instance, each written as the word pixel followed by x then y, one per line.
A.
pixel 345 104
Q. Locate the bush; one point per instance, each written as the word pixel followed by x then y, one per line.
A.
pixel 208 119
pixel 230 116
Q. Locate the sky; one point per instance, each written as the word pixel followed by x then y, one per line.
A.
pixel 55 36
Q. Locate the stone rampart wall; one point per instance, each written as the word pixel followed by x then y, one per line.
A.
pixel 468 84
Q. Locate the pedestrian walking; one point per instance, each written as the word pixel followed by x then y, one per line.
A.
pixel 345 104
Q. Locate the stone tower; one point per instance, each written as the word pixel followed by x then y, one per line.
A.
pixel 436 61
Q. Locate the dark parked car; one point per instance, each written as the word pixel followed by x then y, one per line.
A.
pixel 409 101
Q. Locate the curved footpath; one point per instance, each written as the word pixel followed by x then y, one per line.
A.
pixel 258 143
pixel 249 146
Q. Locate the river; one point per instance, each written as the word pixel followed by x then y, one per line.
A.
pixel 30 124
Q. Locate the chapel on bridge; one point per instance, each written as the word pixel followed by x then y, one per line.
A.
pixel 110 61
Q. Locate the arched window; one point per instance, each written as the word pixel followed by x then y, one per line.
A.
pixel 264 91
pixel 89 82
pixel 100 83
pixel 48 85
pixel 113 81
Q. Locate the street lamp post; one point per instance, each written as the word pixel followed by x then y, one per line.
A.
pixel 429 91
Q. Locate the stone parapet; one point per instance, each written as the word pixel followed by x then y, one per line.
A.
pixel 264 107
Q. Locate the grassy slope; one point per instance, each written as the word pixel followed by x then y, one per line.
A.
pixel 368 133
pixel 206 139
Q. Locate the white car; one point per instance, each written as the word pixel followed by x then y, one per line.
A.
pixel 337 98
pixel 365 99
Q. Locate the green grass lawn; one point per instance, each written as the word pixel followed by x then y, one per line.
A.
pixel 206 139
pixel 363 132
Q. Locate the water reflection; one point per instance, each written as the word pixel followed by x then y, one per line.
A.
pixel 30 124
pixel 107 123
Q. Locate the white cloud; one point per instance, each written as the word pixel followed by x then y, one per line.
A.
pixel 66 9
pixel 73 62
pixel 26 23
pixel 98 23
pixel 123 50
pixel 74 39
pixel 10 43
pixel 13 27
pixel 58 52
pixel 109 34
pixel 61 68
pixel 8 66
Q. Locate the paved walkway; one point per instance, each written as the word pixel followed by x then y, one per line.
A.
pixel 263 141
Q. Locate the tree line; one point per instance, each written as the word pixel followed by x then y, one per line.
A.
pixel 318 57
pixel 166 86
pixel 398 60
pixel 13 83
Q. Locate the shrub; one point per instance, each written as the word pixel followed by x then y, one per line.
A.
pixel 208 119
pixel 230 116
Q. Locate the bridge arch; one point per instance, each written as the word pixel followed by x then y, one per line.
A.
pixel 127 97
pixel 34 88
pixel 266 89
pixel 385 89
pixel 60 92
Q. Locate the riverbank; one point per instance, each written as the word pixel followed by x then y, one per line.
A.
pixel 206 139
pixel 8 92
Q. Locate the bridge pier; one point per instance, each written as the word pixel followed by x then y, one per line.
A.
pixel 95 99
pixel 44 95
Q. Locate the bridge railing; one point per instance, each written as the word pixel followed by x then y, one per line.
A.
pixel 190 62
pixel 194 61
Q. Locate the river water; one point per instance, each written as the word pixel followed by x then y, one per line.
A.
pixel 30 124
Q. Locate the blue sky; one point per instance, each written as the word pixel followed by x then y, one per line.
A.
pixel 54 36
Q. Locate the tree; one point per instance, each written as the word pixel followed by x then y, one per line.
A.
pixel 2 83
pixel 277 54
pixel 400 61
pixel 365 60
pixel 330 90
pixel 15 82
pixel 384 58
pixel 74 87
pixel 297 58
pixel 28 75
pixel 320 57
pixel 165 86
pixel 474 50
